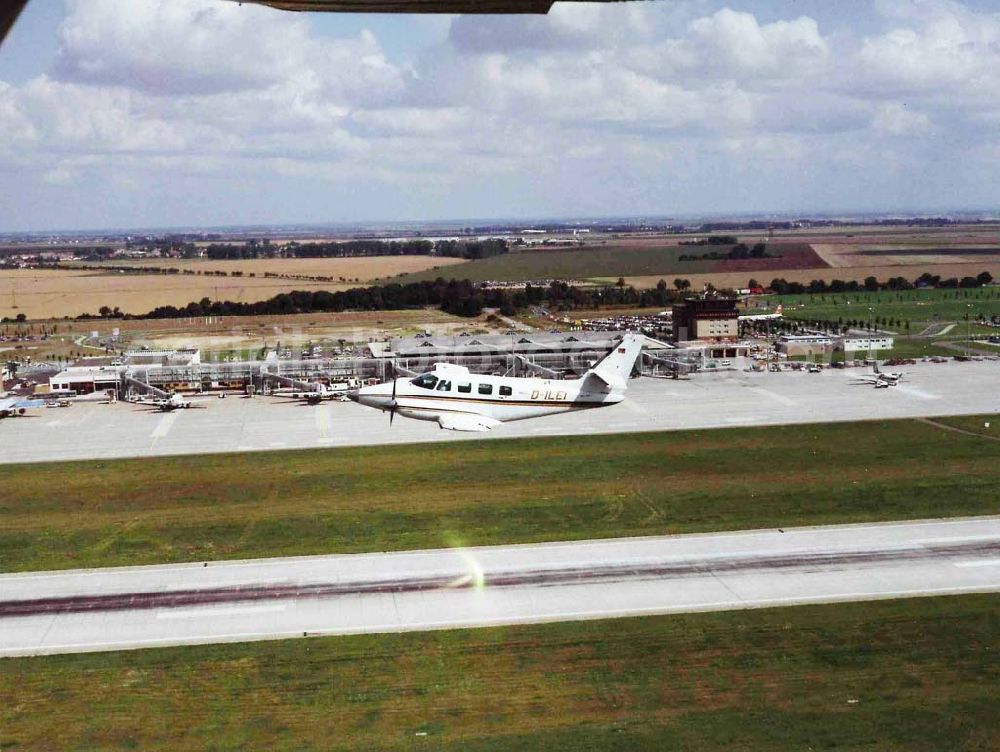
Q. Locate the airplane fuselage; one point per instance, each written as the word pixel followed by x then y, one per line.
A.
pixel 451 389
pixel 463 401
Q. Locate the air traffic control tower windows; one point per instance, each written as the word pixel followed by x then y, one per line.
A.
pixel 425 381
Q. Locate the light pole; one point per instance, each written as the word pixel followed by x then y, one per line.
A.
pixel 968 329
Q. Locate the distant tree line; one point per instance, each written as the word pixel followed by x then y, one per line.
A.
pixel 712 240
pixel 738 251
pixel 871 284
pixel 469 249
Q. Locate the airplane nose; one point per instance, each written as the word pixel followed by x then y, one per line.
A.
pixel 354 395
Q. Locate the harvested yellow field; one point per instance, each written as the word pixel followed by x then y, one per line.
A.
pixel 841 255
pixel 45 293
pixel 363 269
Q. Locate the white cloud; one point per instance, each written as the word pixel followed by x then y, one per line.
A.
pixel 940 49
pixel 736 45
pixel 195 91
pixel 896 119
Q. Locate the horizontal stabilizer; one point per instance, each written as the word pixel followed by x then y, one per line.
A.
pixel 467 422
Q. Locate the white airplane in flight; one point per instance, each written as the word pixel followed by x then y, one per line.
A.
pixel 463 401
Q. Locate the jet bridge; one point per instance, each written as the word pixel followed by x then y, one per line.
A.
pixel 521 362
pixel 133 384
pixel 678 363
pixel 287 381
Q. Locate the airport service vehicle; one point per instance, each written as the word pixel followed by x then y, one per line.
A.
pixel 462 401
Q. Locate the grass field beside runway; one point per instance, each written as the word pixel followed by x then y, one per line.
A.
pixel 916 306
pixel 916 675
pixel 211 507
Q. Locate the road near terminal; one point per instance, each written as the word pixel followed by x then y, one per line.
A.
pixel 208 602
pixel 706 400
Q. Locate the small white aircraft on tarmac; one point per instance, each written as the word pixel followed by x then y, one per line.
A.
pixel 334 391
pixel 12 407
pixel 463 401
pixel 169 404
pixel 880 380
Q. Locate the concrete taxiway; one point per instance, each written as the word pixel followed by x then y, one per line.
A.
pixel 136 607
pixel 706 400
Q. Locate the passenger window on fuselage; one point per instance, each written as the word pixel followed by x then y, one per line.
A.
pixel 426 381
pixel 466 388
pixel 486 389
pixel 444 385
pixel 506 391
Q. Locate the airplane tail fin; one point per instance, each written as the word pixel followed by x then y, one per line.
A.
pixel 615 367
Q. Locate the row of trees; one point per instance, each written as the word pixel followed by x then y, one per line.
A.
pixel 738 251
pixel 469 249
pixel 458 297
pixel 872 284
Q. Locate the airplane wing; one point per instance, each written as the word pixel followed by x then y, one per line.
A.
pixel 10 9
pixel 467 422
pixel 411 6
pixel 8 15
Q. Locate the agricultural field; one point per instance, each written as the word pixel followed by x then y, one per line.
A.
pixel 357 269
pixel 175 509
pixel 45 293
pixel 916 675
pixel 608 262
pixel 645 267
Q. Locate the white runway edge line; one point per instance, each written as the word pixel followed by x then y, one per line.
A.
pixel 848 578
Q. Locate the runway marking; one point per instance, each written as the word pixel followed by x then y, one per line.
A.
pixel 945 330
pixel 164 426
pixel 780 398
pixel 918 393
pixel 979 563
pixel 208 611
pixel 323 422
pixel 494 621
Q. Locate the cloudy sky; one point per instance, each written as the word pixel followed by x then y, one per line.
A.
pixel 160 113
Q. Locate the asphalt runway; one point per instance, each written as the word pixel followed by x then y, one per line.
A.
pixel 706 400
pixel 137 607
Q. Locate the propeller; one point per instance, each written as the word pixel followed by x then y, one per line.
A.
pixel 392 407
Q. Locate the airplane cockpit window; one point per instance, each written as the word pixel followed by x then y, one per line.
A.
pixel 425 381
pixel 444 385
